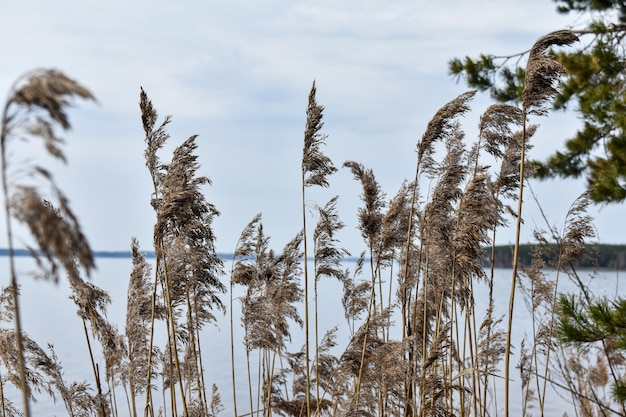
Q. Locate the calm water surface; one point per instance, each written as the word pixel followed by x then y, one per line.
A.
pixel 50 317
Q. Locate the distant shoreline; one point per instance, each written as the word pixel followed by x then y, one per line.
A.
pixel 122 254
pixel 97 254
pixel 605 257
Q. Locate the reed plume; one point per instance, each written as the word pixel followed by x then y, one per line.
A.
pixel 442 125
pixel 369 364
pixel 249 270
pixel 471 233
pixel 578 229
pixel 249 252
pixel 316 167
pixel 543 72
pixel 370 216
pixel 327 255
pixel 7 312
pixel 439 224
pixel 395 223
pixel 137 330
pixel 491 343
pixel 444 283
pixel 244 252
pixel 505 186
pixel 215 406
pixel 45 375
pixel 191 266
pixel 90 300
pixel 76 396
pixel 476 215
pixel 495 132
pixel 356 294
pixel 294 400
pixel 9 354
pixel 377 227
pixel 272 293
pixel 284 290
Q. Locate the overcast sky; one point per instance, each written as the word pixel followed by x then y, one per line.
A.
pixel 237 73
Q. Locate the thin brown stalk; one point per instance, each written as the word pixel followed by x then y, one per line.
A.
pixel 542 73
pixel 155 139
pixel 244 249
pixel 316 167
pixel 94 365
pixel 327 263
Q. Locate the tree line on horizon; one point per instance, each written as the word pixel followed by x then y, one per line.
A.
pixel 599 256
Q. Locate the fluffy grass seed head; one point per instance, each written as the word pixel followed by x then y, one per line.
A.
pixel 543 72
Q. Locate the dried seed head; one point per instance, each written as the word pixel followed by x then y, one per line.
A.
pixel 542 72
pixel 315 165
pixel 442 125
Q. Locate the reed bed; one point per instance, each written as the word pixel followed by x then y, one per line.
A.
pixel 417 344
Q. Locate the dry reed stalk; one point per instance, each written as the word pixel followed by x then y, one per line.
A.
pixel 439 128
pixel 438 231
pixel 92 305
pixel 501 142
pixel 155 139
pixel 571 247
pixel 327 263
pixel 88 297
pixel 316 167
pixel 542 73
pixel 476 215
pixel 360 371
pixel 187 266
pixel 284 293
pixel 295 404
pixel 252 251
pixel 395 223
pixel 272 292
pixel 370 225
pixel 187 221
pixel 138 319
pixel 36 107
pixel 539 300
